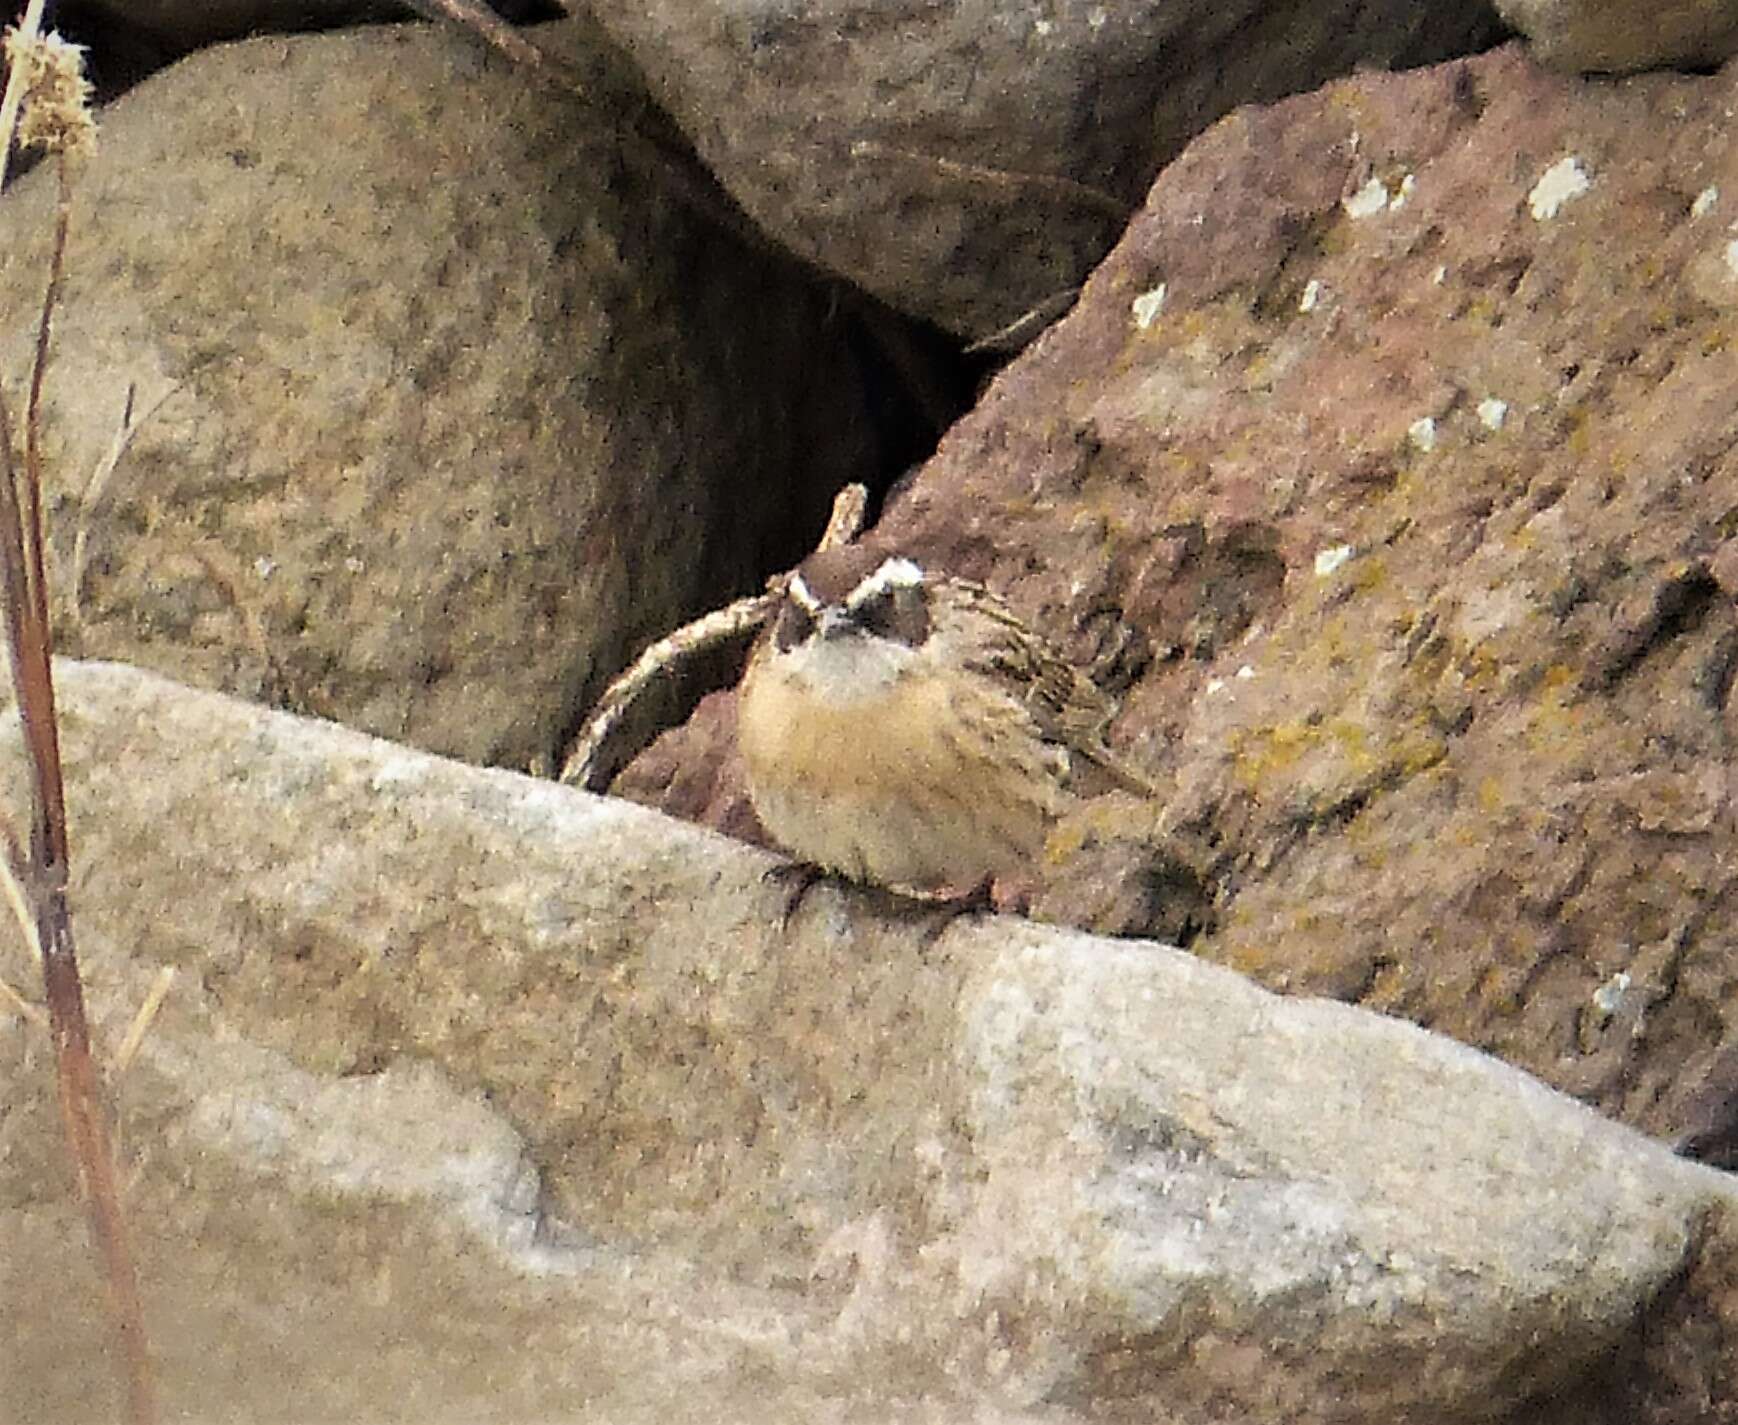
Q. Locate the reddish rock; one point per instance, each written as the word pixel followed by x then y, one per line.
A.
pixel 1407 534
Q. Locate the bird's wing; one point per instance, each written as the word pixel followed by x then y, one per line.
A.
pixel 1067 706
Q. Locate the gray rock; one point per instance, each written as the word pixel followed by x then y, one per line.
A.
pixel 142 31
pixel 1004 1169
pixel 183 24
pixel 450 404
pixel 968 162
pixel 1618 36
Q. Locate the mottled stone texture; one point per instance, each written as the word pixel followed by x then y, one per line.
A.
pixel 1388 466
pixel 450 401
pixel 966 161
pixel 1618 36
pixel 481 1097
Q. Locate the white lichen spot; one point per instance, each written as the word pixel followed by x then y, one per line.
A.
pixel 1608 998
pixel 1214 686
pixel 1408 186
pixel 1371 198
pixel 1563 180
pixel 1705 201
pixel 1147 306
pixel 1312 293
pixel 1438 275
pixel 353 565
pixel 1044 28
pixel 264 566
pixel 1096 18
pixel 1245 673
pixel 1732 257
pixel 1328 560
pixel 1492 413
pixel 1422 433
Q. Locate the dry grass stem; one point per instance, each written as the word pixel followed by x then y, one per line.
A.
pixel 586 765
pixel 499 35
pixel 32 1012
pixel 14 893
pixel 98 486
pixel 17 81
pixel 1025 327
pixel 45 102
pixel 1008 180
pixel 31 495
pixel 141 1025
pixel 226 577
pixel 56 111
pixel 845 523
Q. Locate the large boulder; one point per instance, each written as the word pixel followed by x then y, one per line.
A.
pixel 971 162
pixel 1618 36
pixel 1387 467
pixel 449 400
pixel 477 1095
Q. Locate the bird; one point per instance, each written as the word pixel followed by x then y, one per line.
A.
pixel 907 730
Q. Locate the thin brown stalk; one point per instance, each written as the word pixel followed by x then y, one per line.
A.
pixel 43 872
pixel 1008 180
pixel 44 880
pixel 38 372
pixel 498 34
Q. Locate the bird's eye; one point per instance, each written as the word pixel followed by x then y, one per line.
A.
pixel 794 624
pixel 899 613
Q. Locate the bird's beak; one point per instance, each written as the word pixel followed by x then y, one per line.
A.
pixel 836 623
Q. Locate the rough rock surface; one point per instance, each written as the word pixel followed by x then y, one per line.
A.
pixel 966 162
pixel 479 1096
pixel 1389 464
pixel 1619 36
pixel 448 406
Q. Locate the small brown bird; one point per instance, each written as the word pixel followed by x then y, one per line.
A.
pixel 907 730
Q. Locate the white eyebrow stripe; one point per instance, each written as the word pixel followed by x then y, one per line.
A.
pixel 800 591
pixel 894 573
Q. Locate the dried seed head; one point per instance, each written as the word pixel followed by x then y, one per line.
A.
pixel 57 113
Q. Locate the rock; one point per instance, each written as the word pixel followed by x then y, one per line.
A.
pixel 480 1091
pixel 967 163
pixel 696 772
pixel 449 403
pixel 180 25
pixel 1407 525
pixel 1620 36
pixel 173 27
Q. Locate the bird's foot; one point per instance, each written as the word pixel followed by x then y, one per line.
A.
pixel 946 904
pixel 797 878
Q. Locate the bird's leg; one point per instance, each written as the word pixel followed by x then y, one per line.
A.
pixel 944 906
pixel 797 877
pixel 1013 895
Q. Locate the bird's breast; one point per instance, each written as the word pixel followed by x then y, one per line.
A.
pixel 925 780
